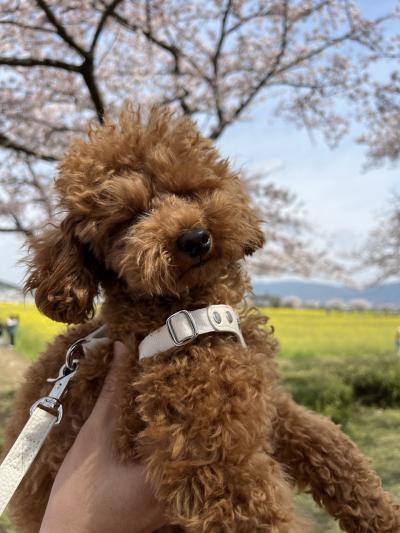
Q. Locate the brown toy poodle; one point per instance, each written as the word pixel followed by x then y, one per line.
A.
pixel 158 222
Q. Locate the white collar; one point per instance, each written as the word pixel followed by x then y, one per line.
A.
pixel 184 326
pixel 179 329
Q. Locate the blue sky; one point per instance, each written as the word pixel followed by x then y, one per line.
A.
pixel 341 200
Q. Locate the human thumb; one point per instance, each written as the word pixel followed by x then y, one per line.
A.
pixel 105 400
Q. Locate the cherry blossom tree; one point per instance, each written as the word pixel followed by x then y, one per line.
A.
pixel 382 116
pixel 382 249
pixel 64 62
pixel 382 137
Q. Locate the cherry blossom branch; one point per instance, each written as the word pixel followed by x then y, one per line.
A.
pixel 108 11
pixel 17 147
pixel 18 226
pixel 44 197
pixel 217 131
pixel 38 62
pixel 171 49
pixel 60 29
pixel 86 69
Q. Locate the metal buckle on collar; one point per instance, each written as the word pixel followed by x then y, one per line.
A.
pixel 173 333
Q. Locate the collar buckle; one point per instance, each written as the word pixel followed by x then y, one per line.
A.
pixel 173 333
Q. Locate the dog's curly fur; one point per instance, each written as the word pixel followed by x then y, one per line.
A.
pixel 222 442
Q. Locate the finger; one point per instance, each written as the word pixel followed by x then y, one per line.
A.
pixel 119 357
pixel 120 350
pixel 105 399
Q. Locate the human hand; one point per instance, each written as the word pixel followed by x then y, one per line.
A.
pixel 92 492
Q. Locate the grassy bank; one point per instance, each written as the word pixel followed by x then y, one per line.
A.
pixel 13 368
pixel 374 430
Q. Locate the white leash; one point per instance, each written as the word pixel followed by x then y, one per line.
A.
pixel 44 414
pixel 180 328
pixel 23 453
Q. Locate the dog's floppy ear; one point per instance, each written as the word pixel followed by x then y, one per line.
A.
pixel 60 273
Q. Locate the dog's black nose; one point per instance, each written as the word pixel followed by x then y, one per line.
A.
pixel 195 242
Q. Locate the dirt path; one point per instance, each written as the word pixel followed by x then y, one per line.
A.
pixel 12 368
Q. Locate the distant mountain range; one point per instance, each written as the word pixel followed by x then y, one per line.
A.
pixel 387 293
pixel 10 292
pixel 9 286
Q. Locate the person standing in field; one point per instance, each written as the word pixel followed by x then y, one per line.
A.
pixel 11 326
pixel 397 341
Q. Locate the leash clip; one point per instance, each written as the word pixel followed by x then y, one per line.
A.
pixel 52 402
pixel 72 362
pixel 61 382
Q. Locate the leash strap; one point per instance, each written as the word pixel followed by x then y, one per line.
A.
pixel 23 453
pixel 44 414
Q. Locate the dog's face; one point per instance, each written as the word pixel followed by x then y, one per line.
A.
pixel 149 201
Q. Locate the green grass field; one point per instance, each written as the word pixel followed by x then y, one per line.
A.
pixel 340 363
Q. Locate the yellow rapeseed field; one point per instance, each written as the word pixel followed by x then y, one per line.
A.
pixel 300 331
pixel 320 332
pixel 34 329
